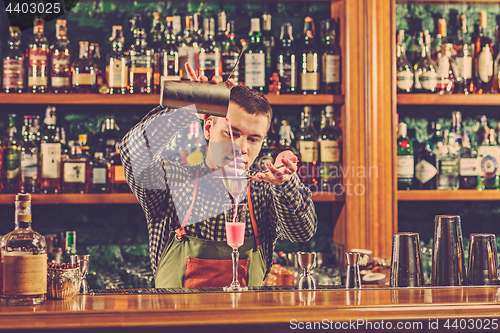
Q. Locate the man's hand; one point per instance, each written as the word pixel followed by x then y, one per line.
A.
pixel 286 161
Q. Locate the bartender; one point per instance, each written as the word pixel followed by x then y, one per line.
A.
pixel 183 203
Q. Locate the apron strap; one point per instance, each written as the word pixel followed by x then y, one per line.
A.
pixel 181 231
pixel 252 217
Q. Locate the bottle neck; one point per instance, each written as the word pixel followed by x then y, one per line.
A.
pixel 23 215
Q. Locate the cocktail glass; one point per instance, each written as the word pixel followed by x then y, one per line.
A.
pixel 84 261
pixel 235 218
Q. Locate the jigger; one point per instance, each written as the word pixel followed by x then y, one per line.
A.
pixel 406 262
pixel 353 276
pixel 483 260
pixel 448 262
pixel 307 261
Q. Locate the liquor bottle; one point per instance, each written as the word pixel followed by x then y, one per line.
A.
pixel 480 129
pixel 11 173
pixel 99 167
pixel 95 56
pixel 255 59
pixel 444 60
pixel 156 32
pixel 117 180
pixel 488 159
pixel 75 170
pixel 425 168
pixel 60 61
pixel 208 58
pixel 109 137
pixel 307 145
pixel 24 259
pixel 426 77
pixel 141 60
pixel 468 164
pixel 50 149
pixel 268 42
pixel 230 55
pixel 170 54
pixel 483 59
pixel 13 64
pixel 405 165
pixel 186 47
pixel 309 70
pixel 448 159
pixel 84 72
pixel 463 59
pixel 37 56
pixel 330 147
pixel 404 70
pixel 414 51
pixel 286 64
pixel 29 158
pixel 69 249
pixel 331 64
pixel 116 63
pixel 440 39
pixel 456 127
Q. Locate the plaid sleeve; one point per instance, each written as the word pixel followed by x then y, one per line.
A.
pixel 295 213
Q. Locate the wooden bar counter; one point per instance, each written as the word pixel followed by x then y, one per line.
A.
pixel 467 309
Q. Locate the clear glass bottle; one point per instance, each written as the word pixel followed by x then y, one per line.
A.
pixel 50 150
pixel 84 72
pixel 444 60
pixel 330 152
pixel 141 60
pixel 310 67
pixel 468 164
pixel 24 259
pixel 404 71
pixel 170 55
pixel 230 54
pixel 37 57
pixel 13 64
pixel 116 63
pixel 488 159
pixel 331 59
pixel 255 59
pixel 463 59
pixel 95 56
pixel 448 159
pixel 307 145
pixel 208 58
pixel 405 159
pixel 99 167
pixel 60 61
pixel 456 128
pixel 156 32
pixel 287 60
pixel 186 47
pixel 75 170
pixel 29 158
pixel 414 51
pixel 11 166
pixel 426 77
pixel 268 42
pixel 483 59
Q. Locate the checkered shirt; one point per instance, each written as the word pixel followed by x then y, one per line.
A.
pixel 165 191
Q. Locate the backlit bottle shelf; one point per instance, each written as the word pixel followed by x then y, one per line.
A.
pixel 138 99
pixel 459 195
pixel 454 99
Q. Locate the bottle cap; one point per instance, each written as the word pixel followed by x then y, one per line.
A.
pixel 23 197
pixel 442 27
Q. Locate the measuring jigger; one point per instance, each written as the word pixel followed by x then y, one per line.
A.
pixel 209 98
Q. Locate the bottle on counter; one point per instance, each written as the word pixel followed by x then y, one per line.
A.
pixel 60 61
pixel 330 147
pixel 405 159
pixel 13 64
pixel 426 78
pixel 404 69
pixel 116 63
pixel 331 68
pixel 84 72
pixel 29 158
pixel 141 60
pixel 488 159
pixel 50 150
pixel 309 71
pixel 37 57
pixel 11 165
pixel 287 60
pixel 24 259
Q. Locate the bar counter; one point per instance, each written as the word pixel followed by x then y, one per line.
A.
pixel 451 309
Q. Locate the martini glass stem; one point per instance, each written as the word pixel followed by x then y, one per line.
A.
pixel 235 255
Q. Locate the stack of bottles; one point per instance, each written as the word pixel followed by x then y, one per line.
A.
pixel 451 158
pixel 40 160
pixel 310 65
pixel 462 65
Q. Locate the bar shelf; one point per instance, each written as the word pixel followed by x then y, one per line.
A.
pixel 454 99
pixel 459 195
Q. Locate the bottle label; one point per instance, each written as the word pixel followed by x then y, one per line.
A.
pixel 29 163
pixel 428 80
pixel 329 151
pixel 255 69
pixel 170 65
pixel 485 64
pixel 209 61
pixel 24 273
pixel 489 166
pixel 99 175
pixel 84 79
pixel 425 171
pixel 309 81
pixel 443 66
pixel 38 67
pixel 308 151
pixel 448 167
pixel 228 62
pixel 287 70
pixel 469 167
pixel 463 67
pixel 59 81
pixel 117 73
pixel 404 80
pixel 12 156
pixel 312 62
pixel 405 166
pixel 13 74
pixel 74 172
pixel 331 68
pixel 51 160
pixel 60 69
pixel 37 57
pixel 37 81
pixel 141 61
pixel 119 174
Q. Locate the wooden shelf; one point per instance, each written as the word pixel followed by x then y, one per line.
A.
pixel 445 2
pixel 459 195
pixel 117 198
pixel 456 99
pixel 97 99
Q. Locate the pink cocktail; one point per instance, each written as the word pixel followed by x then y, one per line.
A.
pixel 235 234
pixel 235 217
